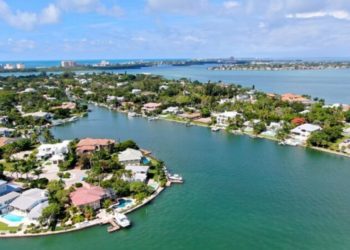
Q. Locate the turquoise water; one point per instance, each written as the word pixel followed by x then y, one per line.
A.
pixel 333 85
pixel 239 193
pixel 13 218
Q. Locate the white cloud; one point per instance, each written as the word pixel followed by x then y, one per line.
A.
pixel 28 20
pixel 340 14
pixel 230 5
pixel 91 6
pixel 50 14
pixel 178 6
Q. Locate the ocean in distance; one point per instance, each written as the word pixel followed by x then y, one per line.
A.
pixel 332 85
pixel 240 193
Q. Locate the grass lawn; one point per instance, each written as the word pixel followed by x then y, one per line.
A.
pixel 5 227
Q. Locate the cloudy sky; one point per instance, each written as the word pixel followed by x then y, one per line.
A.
pixel 85 29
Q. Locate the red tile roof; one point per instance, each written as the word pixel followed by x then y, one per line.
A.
pixel 87 195
pixel 90 144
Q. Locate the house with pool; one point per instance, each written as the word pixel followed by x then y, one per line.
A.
pixel 138 173
pixel 130 156
pixel 27 201
pixel 90 195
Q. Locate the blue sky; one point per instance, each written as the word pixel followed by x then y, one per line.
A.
pixel 86 29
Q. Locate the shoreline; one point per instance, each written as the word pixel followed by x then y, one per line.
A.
pixel 88 224
pixel 324 150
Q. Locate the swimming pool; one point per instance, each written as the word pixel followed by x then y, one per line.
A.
pixel 145 160
pixel 13 218
pixel 123 203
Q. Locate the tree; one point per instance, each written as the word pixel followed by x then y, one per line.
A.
pixel 50 214
pixel 48 136
pixel 205 112
pixel 259 127
pixel 126 144
pixel 347 116
pixel 2 168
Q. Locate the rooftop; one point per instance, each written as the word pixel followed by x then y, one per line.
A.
pixel 85 195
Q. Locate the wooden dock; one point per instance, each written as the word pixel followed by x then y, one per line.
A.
pixel 113 227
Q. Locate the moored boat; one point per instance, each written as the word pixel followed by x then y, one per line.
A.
pixel 122 220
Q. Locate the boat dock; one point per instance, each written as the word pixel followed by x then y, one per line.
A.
pixel 113 227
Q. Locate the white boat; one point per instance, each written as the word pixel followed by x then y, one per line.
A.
pixel 175 178
pixel 131 114
pixel 122 220
pixel 153 118
pixel 215 129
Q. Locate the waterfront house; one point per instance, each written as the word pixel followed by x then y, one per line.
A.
pixel 36 212
pixel 5 201
pixel 171 110
pixel 6 132
pixel 272 129
pixel 28 200
pixel 151 106
pixel 130 156
pixel 249 125
pixel 139 173
pixel 90 145
pixel 301 133
pixel 289 97
pixel 345 146
pixel 55 151
pixel 89 195
pixel 223 119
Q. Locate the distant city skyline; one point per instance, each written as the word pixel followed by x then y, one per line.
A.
pixel 122 29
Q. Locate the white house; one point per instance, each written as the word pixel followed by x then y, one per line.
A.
pixel 130 157
pixel 39 115
pixel 249 125
pixel 111 98
pixel 272 129
pixel 136 91
pixel 55 151
pixel 28 200
pixel 139 173
pixel 303 132
pixel 5 201
pixel 6 132
pixel 171 110
pixel 223 119
pixel 163 87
